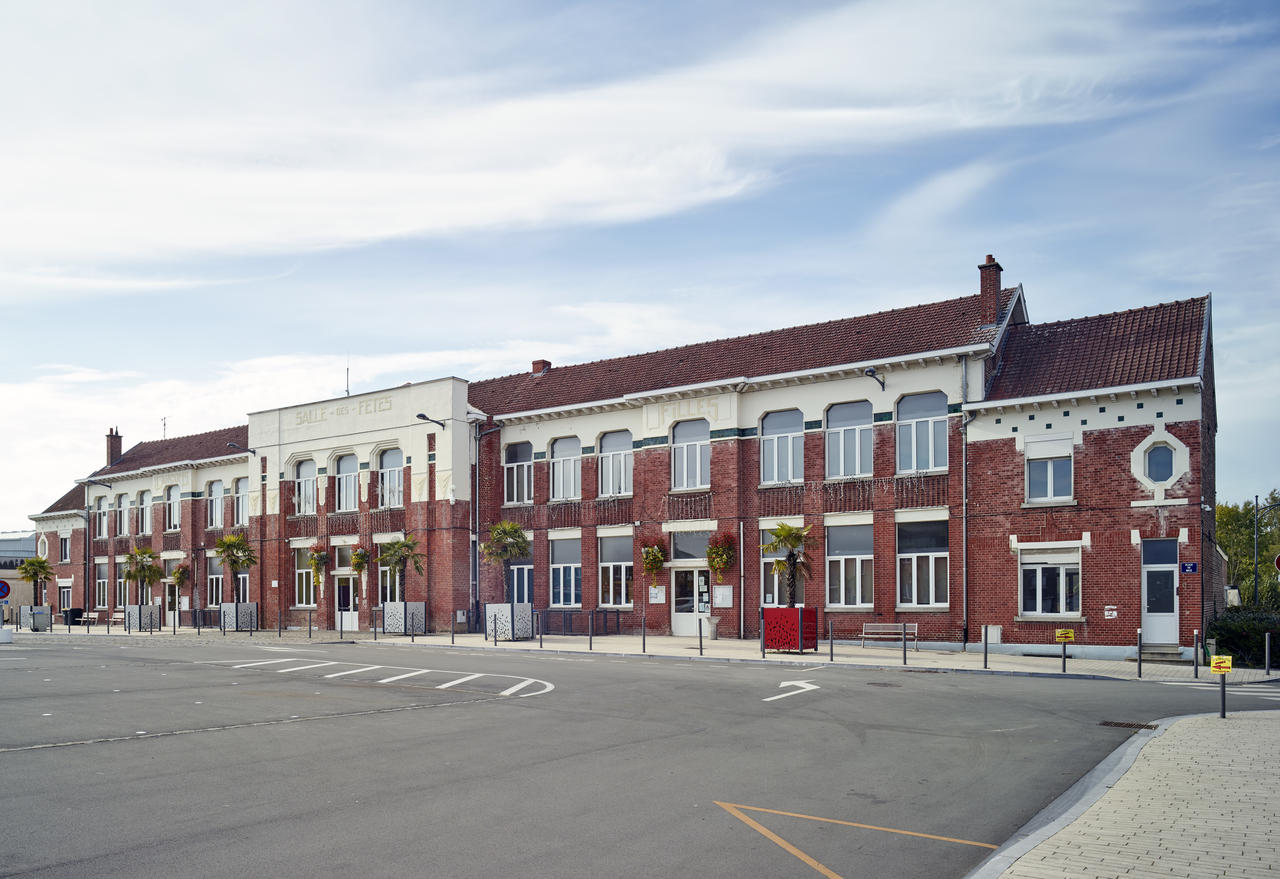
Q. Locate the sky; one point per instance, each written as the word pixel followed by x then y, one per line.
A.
pixel 211 209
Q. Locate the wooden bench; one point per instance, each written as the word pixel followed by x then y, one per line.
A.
pixel 892 632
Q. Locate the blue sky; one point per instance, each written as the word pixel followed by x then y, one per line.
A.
pixel 213 208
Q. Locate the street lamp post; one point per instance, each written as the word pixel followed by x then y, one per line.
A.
pixel 1256 511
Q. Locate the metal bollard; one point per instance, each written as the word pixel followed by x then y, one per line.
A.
pixel 831 642
pixel 699 636
pixel 904 643
pixel 644 625
pixel 1139 654
pixel 541 625
pixel 591 630
pixel 1267 642
pixel 762 633
pixel 494 620
pixel 1064 657
pixel 1195 653
pixel 984 646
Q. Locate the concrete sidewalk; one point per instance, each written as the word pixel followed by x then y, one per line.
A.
pixel 884 655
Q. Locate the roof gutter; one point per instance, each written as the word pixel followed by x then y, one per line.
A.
pixel 983 405
pixel 166 468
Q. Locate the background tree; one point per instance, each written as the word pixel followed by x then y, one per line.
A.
pixel 507 542
pixel 1235 537
pixel 398 555
pixel 794 542
pixel 235 554
pixel 142 568
pixel 38 572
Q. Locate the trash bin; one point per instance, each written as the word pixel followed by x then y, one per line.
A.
pixel 72 616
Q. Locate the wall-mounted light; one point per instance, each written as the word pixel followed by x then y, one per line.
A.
pixel 422 417
pixel 241 448
pixel 870 372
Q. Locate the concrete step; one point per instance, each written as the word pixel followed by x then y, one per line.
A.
pixel 1163 653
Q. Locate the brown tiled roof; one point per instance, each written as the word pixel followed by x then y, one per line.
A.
pixel 196 447
pixel 935 326
pixel 1156 343
pixel 71 501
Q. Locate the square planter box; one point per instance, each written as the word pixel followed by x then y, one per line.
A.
pixel 508 622
pixel 789 628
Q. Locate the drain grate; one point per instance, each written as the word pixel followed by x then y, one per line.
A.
pixel 881 684
pixel 1123 724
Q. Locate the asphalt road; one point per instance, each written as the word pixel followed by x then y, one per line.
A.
pixel 208 760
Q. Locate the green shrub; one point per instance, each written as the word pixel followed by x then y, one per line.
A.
pixel 1240 632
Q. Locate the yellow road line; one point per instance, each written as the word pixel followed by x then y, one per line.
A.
pixel 863 826
pixel 776 839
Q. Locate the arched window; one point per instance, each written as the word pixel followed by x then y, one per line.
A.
pixel 144 512
pixel 172 508
pixel 304 488
pixel 100 516
pixel 213 505
pixel 566 468
pixel 922 432
pixel 691 454
pixel 347 483
pixel 782 447
pixel 241 494
pixel 849 440
pixel 615 463
pixel 518 474
pixel 391 478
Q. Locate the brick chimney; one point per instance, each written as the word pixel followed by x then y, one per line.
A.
pixel 115 445
pixel 541 366
pixel 989 288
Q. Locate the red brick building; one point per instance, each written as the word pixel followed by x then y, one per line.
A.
pixel 956 465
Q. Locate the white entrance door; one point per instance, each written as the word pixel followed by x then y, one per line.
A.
pixel 347 596
pixel 1160 605
pixel 690 601
pixel 171 593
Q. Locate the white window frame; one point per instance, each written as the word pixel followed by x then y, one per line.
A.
pixel 690 460
pixel 122 586
pixel 304 491
pixel 240 491
pixel 304 588
pixel 773 586
pixel 388 586
pixel 100 517
pixel 1038 563
pixel 214 505
pixel 777 448
pixel 615 468
pixel 64 549
pixel 390 482
pixel 522 584
pixel 213 589
pixel 144 513
pixel 937 446
pixel 101 586
pixel 122 515
pixel 566 473
pixel 566 579
pixel 908 587
pixel 838 440
pixel 517 477
pixel 242 587
pixel 346 485
pixel 172 508
pixel 863 585
pixel 64 597
pixel 1054 492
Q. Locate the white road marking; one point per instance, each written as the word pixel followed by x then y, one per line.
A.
pixel 304 667
pixel 261 662
pixel 351 671
pixel 517 688
pixel 461 680
pixel 410 674
pixel 803 685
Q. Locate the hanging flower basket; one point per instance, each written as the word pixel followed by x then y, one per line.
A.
pixel 319 559
pixel 721 554
pixel 359 559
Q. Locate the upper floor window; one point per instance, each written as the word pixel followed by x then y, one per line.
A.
pixel 64 549
pixel 347 483
pixel 1159 463
pixel 391 479
pixel 1048 470
pixel 241 494
pixel 782 447
pixel 518 474
pixel 922 432
pixel 144 512
pixel 100 517
pixel 566 468
pixel 304 488
pixel 615 463
pixel 214 504
pixel 172 508
pixel 849 440
pixel 122 515
pixel 691 454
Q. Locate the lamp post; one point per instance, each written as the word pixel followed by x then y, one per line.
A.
pixel 1256 511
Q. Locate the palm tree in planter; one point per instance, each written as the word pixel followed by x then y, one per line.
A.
pixel 398 555
pixel 236 554
pixel 141 567
pixel 507 542
pixel 37 572
pixel 783 626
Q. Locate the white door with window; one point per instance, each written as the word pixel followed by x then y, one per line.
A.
pixel 1160 605
pixel 690 601
pixel 346 594
pixel 171 597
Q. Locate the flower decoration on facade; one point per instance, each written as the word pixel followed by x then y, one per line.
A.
pixel 652 560
pixel 319 559
pixel 721 554
pixel 359 559
pixel 180 575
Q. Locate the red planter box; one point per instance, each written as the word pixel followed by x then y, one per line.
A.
pixel 789 628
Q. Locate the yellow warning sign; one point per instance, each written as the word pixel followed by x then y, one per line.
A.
pixel 1220 665
pixel 1065 636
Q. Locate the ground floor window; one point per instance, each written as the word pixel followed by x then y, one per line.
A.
pixel 616 571
pixel 849 566
pixel 1049 586
pixel 242 587
pixel 214 591
pixel 122 588
pixel 64 597
pixel 304 586
pixel 566 573
pixel 522 584
pixel 922 564
pixel 388 585
pixel 100 586
pixel 773 584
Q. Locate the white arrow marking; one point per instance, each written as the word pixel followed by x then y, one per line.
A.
pixel 803 685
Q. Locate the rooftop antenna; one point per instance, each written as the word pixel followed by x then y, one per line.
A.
pixel 164 427
pixel 348 374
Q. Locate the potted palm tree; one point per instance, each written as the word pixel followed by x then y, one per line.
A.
pixel 36 571
pixel 142 567
pixel 508 542
pixel 236 554
pixel 398 555
pixel 786 628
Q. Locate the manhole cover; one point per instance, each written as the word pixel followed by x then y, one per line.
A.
pixel 1125 724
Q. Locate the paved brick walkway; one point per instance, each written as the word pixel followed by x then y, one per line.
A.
pixel 1202 799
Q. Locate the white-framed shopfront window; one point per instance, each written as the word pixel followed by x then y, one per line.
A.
pixel 923 559
pixel 850 566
